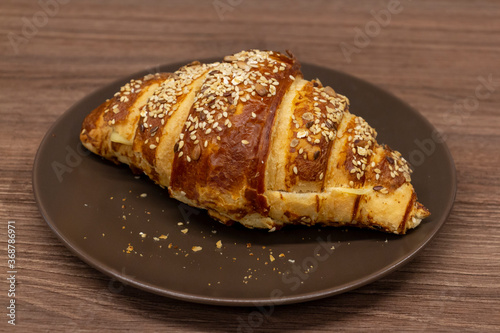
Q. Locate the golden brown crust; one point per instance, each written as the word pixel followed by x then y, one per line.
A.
pixel 315 118
pixel 226 135
pixel 251 141
pixel 116 111
pixel 162 116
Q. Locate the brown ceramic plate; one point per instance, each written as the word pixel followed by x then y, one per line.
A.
pixel 97 210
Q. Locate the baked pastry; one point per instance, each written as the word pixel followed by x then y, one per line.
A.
pixel 249 140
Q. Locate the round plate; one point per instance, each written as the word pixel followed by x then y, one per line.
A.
pixel 128 228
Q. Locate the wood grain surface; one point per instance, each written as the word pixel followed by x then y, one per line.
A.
pixel 435 55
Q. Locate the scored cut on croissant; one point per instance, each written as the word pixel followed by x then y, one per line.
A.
pixel 249 140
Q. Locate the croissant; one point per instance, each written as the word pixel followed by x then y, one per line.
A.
pixel 249 140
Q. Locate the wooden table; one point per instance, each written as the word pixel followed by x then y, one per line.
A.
pixel 432 54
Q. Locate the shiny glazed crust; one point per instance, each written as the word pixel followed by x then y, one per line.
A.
pixel 251 141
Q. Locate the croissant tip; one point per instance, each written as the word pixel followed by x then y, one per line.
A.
pixel 422 211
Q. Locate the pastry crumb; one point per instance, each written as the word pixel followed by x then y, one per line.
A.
pixel 196 248
pixel 219 244
pixel 184 231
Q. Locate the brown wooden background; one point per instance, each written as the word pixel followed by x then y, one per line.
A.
pixel 431 55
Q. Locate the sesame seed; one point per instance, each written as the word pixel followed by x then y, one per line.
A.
pixel 295 170
pixel 301 134
pixel 230 58
pixel 308 116
pixel 245 142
